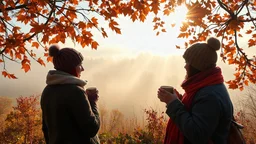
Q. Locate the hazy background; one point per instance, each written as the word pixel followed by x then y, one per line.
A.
pixel 128 84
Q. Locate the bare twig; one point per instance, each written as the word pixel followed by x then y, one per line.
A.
pixel 241 7
pixel 252 19
pixel 3 61
pixel 10 58
pixel 225 7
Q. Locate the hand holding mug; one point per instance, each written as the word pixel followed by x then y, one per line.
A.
pixel 92 94
pixel 166 94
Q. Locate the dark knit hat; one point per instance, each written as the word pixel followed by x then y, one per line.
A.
pixel 65 59
pixel 203 56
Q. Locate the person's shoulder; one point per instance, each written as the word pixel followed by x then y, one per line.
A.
pixel 75 88
pixel 217 91
pixel 212 89
pixel 66 88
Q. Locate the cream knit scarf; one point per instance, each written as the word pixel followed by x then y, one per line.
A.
pixel 59 77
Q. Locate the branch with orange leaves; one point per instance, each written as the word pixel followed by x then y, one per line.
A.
pixel 15 8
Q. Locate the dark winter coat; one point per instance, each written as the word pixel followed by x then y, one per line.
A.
pixel 209 118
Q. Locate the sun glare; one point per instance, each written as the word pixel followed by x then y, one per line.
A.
pixel 167 42
pixel 179 14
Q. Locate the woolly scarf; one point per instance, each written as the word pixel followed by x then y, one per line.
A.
pixel 191 85
pixel 60 77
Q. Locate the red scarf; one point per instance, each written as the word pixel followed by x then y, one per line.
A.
pixel 191 85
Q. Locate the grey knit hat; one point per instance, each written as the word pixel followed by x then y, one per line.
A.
pixel 203 56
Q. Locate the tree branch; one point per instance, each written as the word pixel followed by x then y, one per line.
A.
pixel 15 8
pixel 252 20
pixel 225 7
pixel 10 58
pixel 3 61
pixel 241 7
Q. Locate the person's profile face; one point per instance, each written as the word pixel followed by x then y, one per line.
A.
pixel 79 70
pixel 187 70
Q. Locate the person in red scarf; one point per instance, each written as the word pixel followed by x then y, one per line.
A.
pixel 203 114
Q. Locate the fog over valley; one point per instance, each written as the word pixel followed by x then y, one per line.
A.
pixel 126 84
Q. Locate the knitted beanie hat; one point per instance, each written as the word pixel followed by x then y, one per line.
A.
pixel 203 56
pixel 65 59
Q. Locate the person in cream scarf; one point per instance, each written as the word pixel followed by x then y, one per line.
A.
pixel 70 115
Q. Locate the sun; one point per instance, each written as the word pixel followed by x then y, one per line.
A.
pixel 179 15
pixel 166 42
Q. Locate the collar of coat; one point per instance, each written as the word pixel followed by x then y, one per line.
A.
pixel 59 77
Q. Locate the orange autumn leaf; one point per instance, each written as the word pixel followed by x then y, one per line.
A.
pixel 94 20
pixel 39 60
pixel 49 59
pixel 251 42
pixel 8 75
pixel 94 45
pixel 35 44
pixel 248 31
pixel 26 67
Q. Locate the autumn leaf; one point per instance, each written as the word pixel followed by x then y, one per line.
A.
pixel 94 45
pixel 49 59
pixel 232 85
pixel 167 12
pixel 246 82
pixel 35 44
pixel 39 60
pixel 8 75
pixel 251 42
pixel 94 20
pixel 117 30
pixel 134 16
pixel 18 56
pixel 248 31
pixel 26 67
pixel 104 34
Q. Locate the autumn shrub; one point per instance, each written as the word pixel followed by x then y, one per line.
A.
pixel 152 133
pixel 5 107
pixel 23 124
